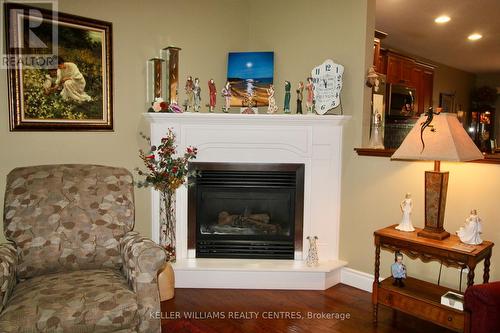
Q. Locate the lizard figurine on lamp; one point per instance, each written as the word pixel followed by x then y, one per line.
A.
pixel 427 123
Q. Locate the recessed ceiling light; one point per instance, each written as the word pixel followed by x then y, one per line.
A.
pixel 474 37
pixel 442 19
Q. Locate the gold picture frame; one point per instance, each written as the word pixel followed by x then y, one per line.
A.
pixel 70 87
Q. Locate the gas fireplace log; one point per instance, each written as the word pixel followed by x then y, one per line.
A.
pixel 226 219
pixel 264 218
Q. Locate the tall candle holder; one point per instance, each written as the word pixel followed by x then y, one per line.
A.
pixel 170 55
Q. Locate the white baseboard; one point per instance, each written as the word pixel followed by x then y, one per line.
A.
pixel 356 279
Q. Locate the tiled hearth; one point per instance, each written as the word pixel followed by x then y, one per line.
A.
pixel 315 141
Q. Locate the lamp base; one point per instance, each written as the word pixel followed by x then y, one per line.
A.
pixel 436 185
pixel 433 234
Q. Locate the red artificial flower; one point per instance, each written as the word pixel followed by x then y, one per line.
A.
pixel 174 169
pixel 163 105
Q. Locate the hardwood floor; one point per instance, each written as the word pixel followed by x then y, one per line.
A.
pixel 277 311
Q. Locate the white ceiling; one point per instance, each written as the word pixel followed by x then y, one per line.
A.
pixel 411 28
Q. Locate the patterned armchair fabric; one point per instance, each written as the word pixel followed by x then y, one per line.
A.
pixel 68 217
pixel 77 264
pixel 8 263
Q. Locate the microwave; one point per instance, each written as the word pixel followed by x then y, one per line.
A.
pixel 401 101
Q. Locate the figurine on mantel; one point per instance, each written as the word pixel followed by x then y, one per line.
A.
pixel 272 107
pixel 470 232
pixel 189 88
pixel 406 206
pixel 197 95
pixel 286 104
pixel 226 93
pixel 300 97
pixel 312 256
pixel 398 270
pixel 212 91
pixel 310 95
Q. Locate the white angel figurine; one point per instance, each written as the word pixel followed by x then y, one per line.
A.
pixel 406 207
pixel 470 232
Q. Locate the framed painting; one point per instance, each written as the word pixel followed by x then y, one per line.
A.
pixel 447 102
pixel 250 75
pixel 59 69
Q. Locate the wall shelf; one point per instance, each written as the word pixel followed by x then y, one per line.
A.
pixel 488 158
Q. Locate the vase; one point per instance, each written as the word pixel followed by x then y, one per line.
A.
pixel 166 283
pixel 167 223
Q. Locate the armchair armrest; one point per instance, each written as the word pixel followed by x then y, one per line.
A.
pixel 482 301
pixel 142 260
pixel 487 294
pixel 8 263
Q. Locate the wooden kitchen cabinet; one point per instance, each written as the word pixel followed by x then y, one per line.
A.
pixel 426 89
pixel 406 71
pixel 379 58
pixel 399 69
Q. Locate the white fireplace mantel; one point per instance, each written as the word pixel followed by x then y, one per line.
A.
pixel 315 141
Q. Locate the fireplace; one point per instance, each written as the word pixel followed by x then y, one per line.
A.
pixel 271 140
pixel 248 211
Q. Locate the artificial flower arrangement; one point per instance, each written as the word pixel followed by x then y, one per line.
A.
pixel 166 172
pixel 159 105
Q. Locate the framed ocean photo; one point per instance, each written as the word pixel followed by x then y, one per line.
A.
pixel 250 74
pixel 59 69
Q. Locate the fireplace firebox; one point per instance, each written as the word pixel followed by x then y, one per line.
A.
pixel 240 210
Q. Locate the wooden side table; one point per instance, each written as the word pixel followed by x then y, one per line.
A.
pixel 419 298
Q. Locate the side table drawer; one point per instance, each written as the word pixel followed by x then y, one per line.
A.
pixel 435 313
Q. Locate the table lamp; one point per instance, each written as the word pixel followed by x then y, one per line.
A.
pixel 437 137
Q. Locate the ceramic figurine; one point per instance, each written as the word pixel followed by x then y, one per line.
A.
pixel 470 232
pixel 213 93
pixel 197 95
pixel 189 88
pixel 310 95
pixel 398 270
pixel 226 93
pixel 300 97
pixel 406 207
pixel 271 100
pixel 312 256
pixel 286 104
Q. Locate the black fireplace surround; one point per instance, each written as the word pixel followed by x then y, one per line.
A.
pixel 241 210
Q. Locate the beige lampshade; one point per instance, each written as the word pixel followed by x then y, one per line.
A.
pixel 448 142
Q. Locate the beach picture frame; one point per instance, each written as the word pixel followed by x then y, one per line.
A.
pixel 250 75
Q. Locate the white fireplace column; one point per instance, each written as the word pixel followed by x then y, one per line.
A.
pixel 315 141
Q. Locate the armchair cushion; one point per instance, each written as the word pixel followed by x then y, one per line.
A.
pixel 67 217
pixel 80 301
pixel 142 260
pixel 8 262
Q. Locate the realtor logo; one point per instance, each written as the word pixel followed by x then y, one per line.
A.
pixel 31 37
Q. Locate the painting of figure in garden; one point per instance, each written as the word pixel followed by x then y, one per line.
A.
pixel 73 90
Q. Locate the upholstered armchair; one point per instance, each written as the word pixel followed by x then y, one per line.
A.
pixel 73 263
